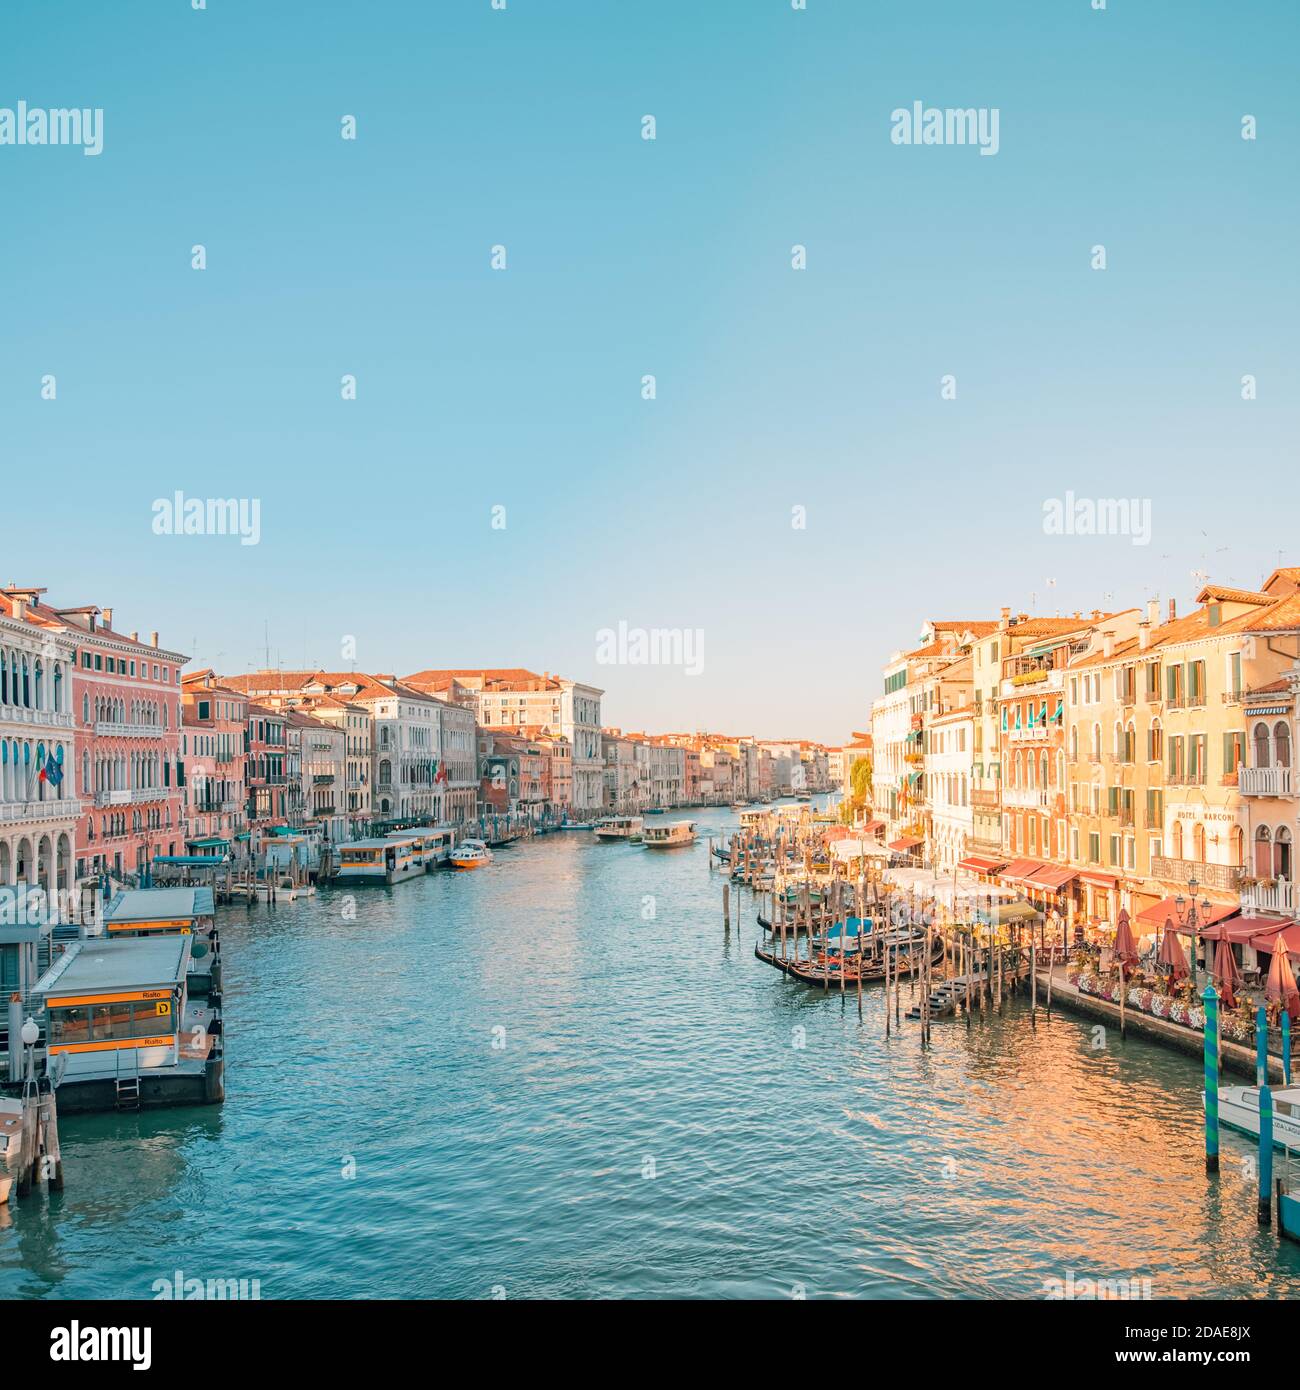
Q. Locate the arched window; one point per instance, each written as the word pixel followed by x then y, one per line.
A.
pixel 1262 745
pixel 1282 854
pixel 1282 743
pixel 1238 847
pixel 58 688
pixel 1155 742
pixel 1074 743
pixel 1263 852
pixel 1096 743
pixel 1178 839
pixel 1198 843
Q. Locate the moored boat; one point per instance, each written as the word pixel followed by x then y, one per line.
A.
pixel 389 860
pixel 470 854
pixel 1239 1110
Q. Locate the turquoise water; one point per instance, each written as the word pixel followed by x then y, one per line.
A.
pixel 650 1127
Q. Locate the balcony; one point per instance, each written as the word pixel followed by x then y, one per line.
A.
pixel 1219 876
pixel 132 796
pixel 1031 680
pixel 323 779
pixel 1034 733
pixel 15 812
pixel 209 808
pixel 108 728
pixel 41 718
pixel 1265 781
pixel 986 799
pixel 1032 798
pixel 1279 896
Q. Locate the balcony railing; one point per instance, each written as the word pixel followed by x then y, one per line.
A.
pixel 1279 896
pixel 323 779
pixel 1265 781
pixel 132 796
pixel 1219 876
pixel 15 812
pixel 110 728
pixel 1033 733
pixel 43 718
pixel 984 798
pixel 1031 797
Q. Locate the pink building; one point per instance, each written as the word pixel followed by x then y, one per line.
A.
pixel 126 715
pixel 215 748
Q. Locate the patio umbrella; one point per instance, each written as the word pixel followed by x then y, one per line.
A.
pixel 1281 985
pixel 1125 949
pixel 1226 973
pixel 1171 954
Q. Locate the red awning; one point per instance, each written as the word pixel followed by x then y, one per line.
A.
pixel 874 825
pixel 980 865
pixel 906 843
pixel 1240 929
pixel 1099 880
pixel 1051 878
pixel 1267 938
pixel 1164 912
pixel 1020 869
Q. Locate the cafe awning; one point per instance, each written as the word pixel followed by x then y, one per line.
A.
pixel 1098 880
pixel 208 842
pixel 1051 878
pixel 906 843
pixel 1020 869
pixel 978 864
pixel 872 826
pixel 1164 912
pixel 1275 934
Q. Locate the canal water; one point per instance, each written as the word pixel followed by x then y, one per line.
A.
pixel 559 1077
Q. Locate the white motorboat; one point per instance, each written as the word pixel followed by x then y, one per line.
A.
pixel 1239 1110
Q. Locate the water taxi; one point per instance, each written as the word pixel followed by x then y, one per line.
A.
pixel 470 854
pixel 389 860
pixel 671 836
pixel 618 828
pixel 432 844
pixel 1239 1110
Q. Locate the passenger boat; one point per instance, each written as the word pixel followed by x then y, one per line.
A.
pixel 671 836
pixel 432 844
pixel 739 805
pixel 471 854
pixel 654 810
pixel 618 828
pixel 1239 1110
pixel 389 860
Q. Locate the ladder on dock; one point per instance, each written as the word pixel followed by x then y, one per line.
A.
pixel 127 1083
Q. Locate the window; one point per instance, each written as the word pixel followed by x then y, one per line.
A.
pixel 1155 742
pixel 1234 752
pixel 1094 848
pixel 1282 744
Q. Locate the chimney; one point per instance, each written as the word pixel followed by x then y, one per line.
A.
pixel 1144 635
pixel 1173 609
pixel 1005 618
pixel 153 639
pixel 135 637
pixel 107 615
pixel 1096 615
pixel 1108 644
pixel 20 609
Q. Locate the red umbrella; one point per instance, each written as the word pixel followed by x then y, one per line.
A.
pixel 1171 954
pixel 1125 949
pixel 1281 985
pixel 1226 973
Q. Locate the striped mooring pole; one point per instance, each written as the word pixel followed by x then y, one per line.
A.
pixel 1265 1120
pixel 1286 1048
pixel 1210 999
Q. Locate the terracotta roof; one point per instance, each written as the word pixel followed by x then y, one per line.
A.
pixel 1216 593
pixel 976 628
pixel 1278 616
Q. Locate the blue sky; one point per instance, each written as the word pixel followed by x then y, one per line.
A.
pixel 776 388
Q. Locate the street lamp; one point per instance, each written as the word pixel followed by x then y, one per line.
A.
pixel 29 1036
pixel 1187 917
